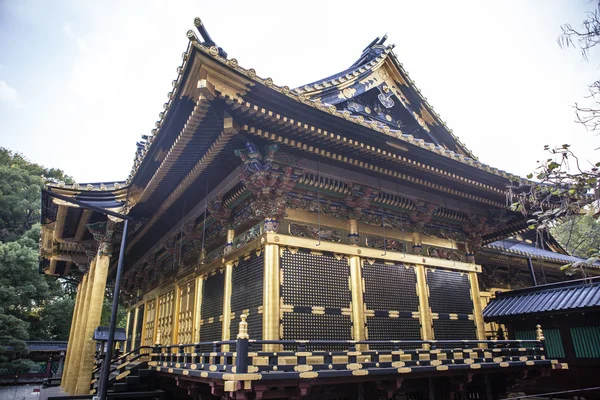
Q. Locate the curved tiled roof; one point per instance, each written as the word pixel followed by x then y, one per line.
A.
pixel 529 250
pixel 581 295
pixel 365 62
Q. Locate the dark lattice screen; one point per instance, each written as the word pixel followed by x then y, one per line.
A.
pixel 391 288
pixel 450 293
pixel 247 294
pixel 445 329
pixel 312 280
pixel 139 328
pixel 212 306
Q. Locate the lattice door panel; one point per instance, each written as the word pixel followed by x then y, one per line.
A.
pixel 451 305
pixel 212 307
pixel 391 301
pixel 185 323
pixel 449 292
pixel 150 321
pixel 166 309
pixel 316 296
pixel 247 295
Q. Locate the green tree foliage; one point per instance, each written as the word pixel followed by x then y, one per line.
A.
pixel 20 184
pixel 55 318
pixel 32 306
pixel 579 235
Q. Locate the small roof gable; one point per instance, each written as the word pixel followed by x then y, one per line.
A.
pixel 377 88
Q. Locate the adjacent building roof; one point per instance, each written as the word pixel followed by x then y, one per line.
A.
pixel 579 295
pixel 41 345
pixel 526 249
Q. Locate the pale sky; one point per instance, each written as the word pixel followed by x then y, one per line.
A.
pixel 81 81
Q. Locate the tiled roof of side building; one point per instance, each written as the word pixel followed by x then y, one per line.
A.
pixel 530 250
pixel 581 295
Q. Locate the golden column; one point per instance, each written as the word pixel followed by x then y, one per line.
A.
pixel 422 292
pixel 477 310
pixel 198 308
pixel 103 232
pixel 225 327
pixel 128 331
pixel 155 338
pixel 75 361
pixel 74 321
pixel 271 297
pixel 356 286
pixel 424 309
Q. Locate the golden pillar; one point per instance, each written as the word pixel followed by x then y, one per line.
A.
pixel 75 362
pixel 135 332
pixel 198 308
pixel 155 338
pixel 353 235
pixel 417 243
pixel 94 312
pixel 424 308
pixel 72 334
pixel 175 309
pixel 476 296
pixel 271 297
pixel 225 327
pixel 358 303
pixel 128 332
pixel 356 286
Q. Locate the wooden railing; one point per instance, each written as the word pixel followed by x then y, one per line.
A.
pixel 246 359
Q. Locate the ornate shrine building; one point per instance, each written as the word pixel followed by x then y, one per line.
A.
pixel 316 242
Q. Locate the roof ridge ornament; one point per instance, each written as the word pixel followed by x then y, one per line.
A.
pixel 207 40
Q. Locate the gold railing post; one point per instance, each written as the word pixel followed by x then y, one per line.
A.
pixel 539 333
pixel 477 310
pixel 271 296
pixel 424 308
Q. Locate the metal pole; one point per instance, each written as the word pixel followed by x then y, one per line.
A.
pixel 104 375
pixel 531 271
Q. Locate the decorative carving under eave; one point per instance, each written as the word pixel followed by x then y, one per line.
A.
pixel 219 211
pixel 269 182
pixel 360 198
pixel 422 214
pixel 475 229
pixel 103 233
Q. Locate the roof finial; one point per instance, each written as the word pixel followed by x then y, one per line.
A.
pixel 206 37
pixel 203 32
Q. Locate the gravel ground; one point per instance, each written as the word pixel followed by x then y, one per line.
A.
pixel 19 392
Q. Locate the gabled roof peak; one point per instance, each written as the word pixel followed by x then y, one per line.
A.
pixel 372 51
